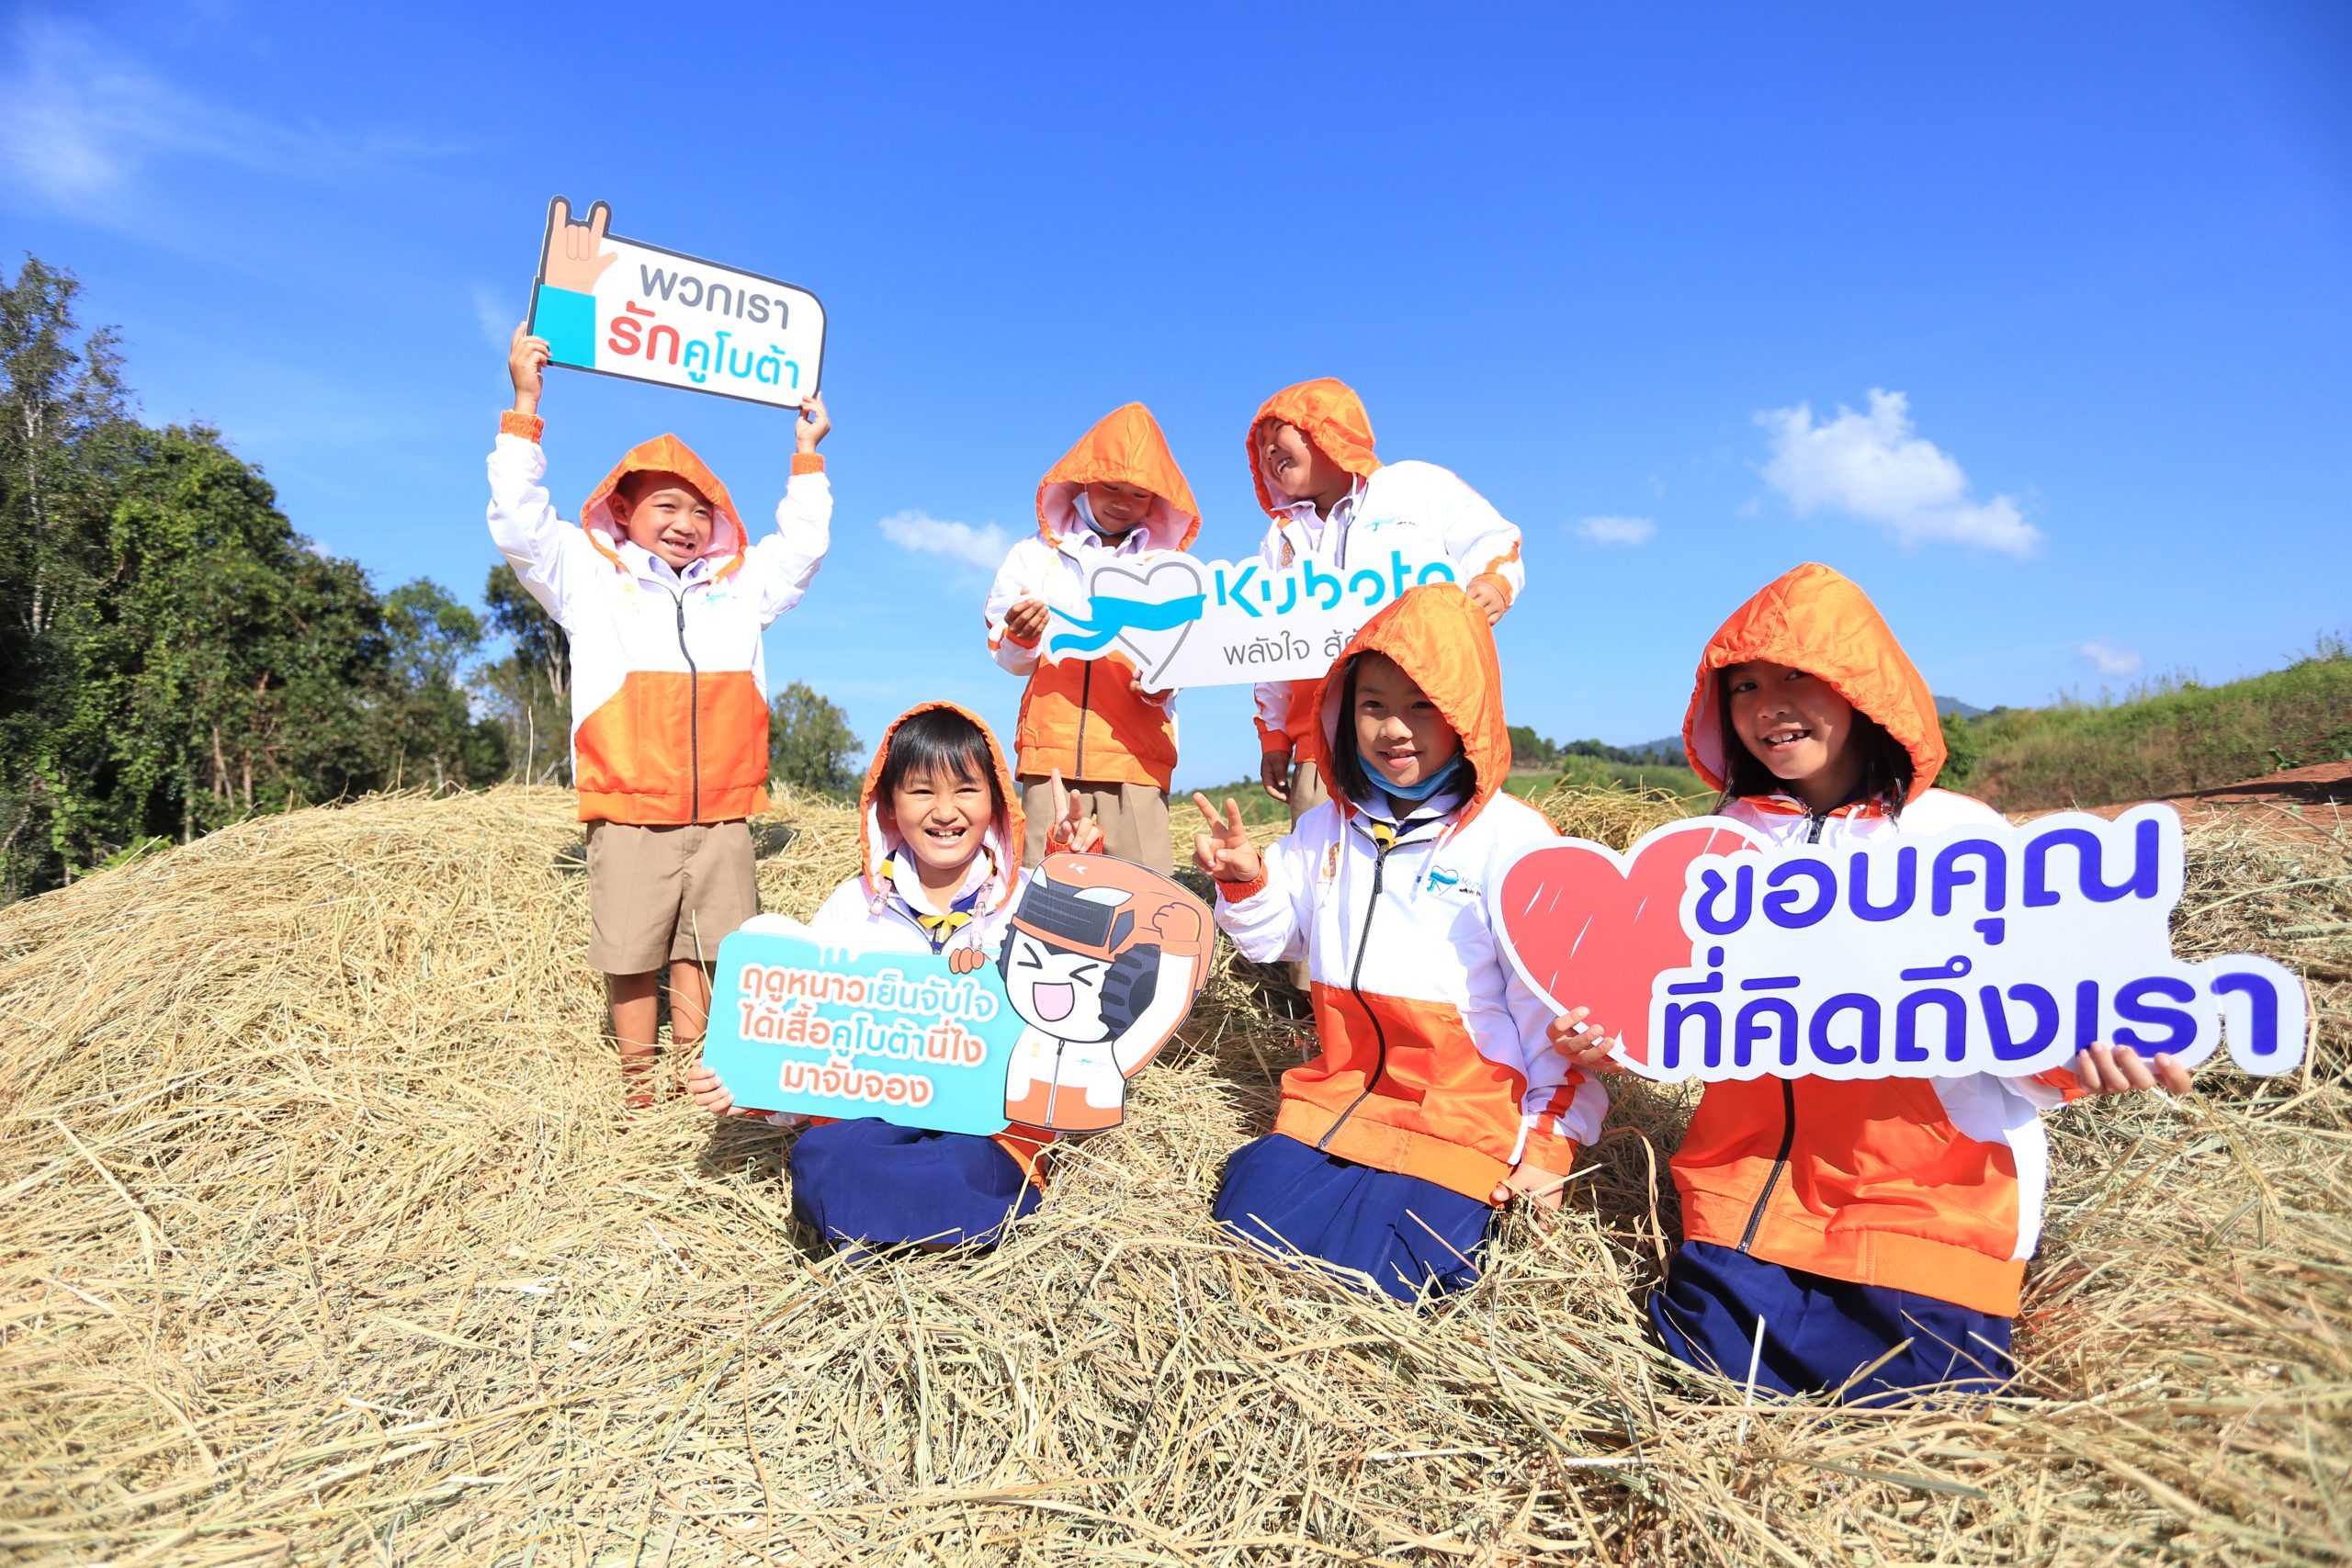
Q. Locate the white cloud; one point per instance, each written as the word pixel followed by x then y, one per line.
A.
pixel 81 124
pixel 496 315
pixel 983 547
pixel 2108 659
pixel 1616 530
pixel 1874 466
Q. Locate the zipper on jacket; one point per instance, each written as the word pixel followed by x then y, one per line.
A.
pixel 1818 820
pixel 1085 696
pixel 694 709
pixel 1355 986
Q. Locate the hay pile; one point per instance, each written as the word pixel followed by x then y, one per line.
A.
pixel 325 1243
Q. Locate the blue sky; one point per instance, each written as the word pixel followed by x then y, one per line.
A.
pixel 2034 319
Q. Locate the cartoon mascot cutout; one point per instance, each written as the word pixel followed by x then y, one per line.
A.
pixel 1101 965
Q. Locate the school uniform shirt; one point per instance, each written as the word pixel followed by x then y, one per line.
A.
pixel 1434 1059
pixel 1406 514
pixel 1081 715
pixel 669 682
pixel 1933 1186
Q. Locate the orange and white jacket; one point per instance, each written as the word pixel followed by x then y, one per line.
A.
pixel 1081 715
pixel 1928 1185
pixel 1434 1061
pixel 1419 511
pixel 668 684
pixel 881 910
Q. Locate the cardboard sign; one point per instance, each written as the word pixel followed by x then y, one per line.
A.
pixel 2006 949
pixel 1096 972
pixel 1187 622
pixel 624 307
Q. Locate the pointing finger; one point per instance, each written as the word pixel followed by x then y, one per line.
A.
pixel 1202 801
pixel 1233 818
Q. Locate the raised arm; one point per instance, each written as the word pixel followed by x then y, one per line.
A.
pixel 786 561
pixel 1016 606
pixel 549 555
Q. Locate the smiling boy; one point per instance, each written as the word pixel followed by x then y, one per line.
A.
pixel 663 598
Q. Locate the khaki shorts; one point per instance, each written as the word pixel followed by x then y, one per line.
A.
pixel 655 894
pixel 1134 819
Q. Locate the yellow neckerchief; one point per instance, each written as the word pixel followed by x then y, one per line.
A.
pixel 938 928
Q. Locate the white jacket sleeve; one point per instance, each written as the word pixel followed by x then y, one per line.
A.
pixel 1270 922
pixel 1020 576
pixel 551 556
pixel 1479 540
pixel 785 562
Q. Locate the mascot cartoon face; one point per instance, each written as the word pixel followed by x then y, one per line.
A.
pixel 1100 963
pixel 1071 965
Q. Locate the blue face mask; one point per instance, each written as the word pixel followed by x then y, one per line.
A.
pixel 1427 787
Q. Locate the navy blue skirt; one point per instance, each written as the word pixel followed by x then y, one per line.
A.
pixel 1413 1237
pixel 1818 1332
pixel 868 1184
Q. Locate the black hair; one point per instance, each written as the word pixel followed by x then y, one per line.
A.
pixel 1347 762
pixel 940 740
pixel 1886 774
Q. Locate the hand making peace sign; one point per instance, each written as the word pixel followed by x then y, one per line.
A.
pixel 1224 850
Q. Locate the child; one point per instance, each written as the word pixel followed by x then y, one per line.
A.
pixel 663 598
pixel 1117 492
pixel 1848 1221
pixel 936 876
pixel 1310 457
pixel 1436 1096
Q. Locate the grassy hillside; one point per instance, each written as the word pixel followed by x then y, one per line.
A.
pixel 2169 737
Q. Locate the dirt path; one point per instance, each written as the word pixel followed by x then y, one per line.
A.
pixel 2316 799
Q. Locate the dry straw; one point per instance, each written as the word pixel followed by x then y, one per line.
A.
pixel 325 1243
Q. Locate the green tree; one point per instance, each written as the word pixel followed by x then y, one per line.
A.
pixel 1961 751
pixel 431 726
pixel 1528 750
pixel 809 742
pixel 527 692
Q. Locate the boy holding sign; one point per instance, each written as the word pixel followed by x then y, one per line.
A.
pixel 1326 496
pixel 1117 492
pixel 1866 1234
pixel 665 597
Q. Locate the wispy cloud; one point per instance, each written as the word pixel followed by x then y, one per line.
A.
pixel 1616 530
pixel 496 315
pixel 82 126
pixel 983 547
pixel 1877 467
pixel 2108 659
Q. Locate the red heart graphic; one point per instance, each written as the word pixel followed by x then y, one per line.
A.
pixel 1590 927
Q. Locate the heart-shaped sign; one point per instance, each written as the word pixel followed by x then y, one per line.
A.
pixel 1158 582
pixel 1587 926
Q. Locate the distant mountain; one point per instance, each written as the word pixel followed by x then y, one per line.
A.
pixel 1965 710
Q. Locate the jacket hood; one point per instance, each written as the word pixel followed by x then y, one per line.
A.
pixel 1332 416
pixel 1439 639
pixel 1002 838
pixel 1813 619
pixel 667 454
pixel 1124 448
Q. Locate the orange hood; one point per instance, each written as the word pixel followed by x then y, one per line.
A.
pixel 1332 417
pixel 1442 640
pixel 667 454
pixel 1811 618
pixel 1124 448
pixel 1003 837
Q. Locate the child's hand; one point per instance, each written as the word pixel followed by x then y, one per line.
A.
pixel 1160 699
pixel 963 960
pixel 1273 771
pixel 1487 592
pixel 2118 1069
pixel 709 1094
pixel 526 357
pixel 1540 1187
pixel 1027 620
pixel 1580 1041
pixel 1073 829
pixel 1224 850
pixel 813 426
